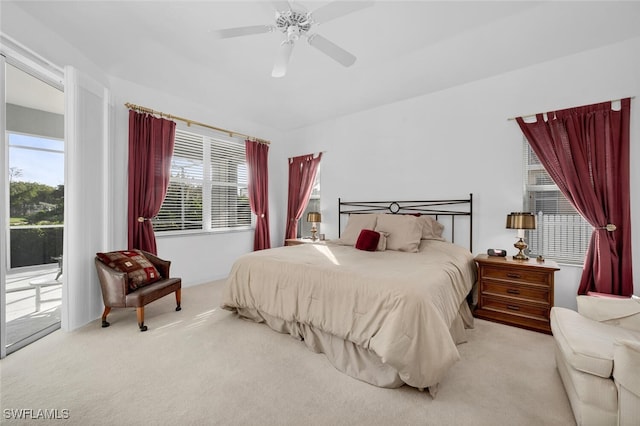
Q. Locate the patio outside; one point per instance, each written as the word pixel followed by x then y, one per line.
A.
pixel 33 282
pixel 26 313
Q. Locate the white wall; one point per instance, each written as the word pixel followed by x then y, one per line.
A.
pixel 86 175
pixel 451 143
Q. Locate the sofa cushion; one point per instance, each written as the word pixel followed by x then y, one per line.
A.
pixel 587 345
pixel 154 291
pixel 625 372
pixel 140 271
pixel 593 399
pixel 614 310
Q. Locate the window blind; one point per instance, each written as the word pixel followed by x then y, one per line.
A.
pixel 208 186
pixel 561 232
pixel 229 179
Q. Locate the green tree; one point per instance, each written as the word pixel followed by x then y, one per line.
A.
pixel 36 202
pixel 14 172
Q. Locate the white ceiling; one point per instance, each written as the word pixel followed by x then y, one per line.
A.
pixel 404 48
pixel 30 92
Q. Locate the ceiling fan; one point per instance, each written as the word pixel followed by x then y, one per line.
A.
pixel 295 22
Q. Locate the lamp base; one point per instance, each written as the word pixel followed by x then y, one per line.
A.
pixel 520 256
pixel 521 246
pixel 314 232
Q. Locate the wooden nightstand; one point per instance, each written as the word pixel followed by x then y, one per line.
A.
pixel 298 241
pixel 515 292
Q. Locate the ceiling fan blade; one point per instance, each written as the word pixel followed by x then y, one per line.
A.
pixel 282 59
pixel 281 6
pixel 331 49
pixel 337 9
pixel 242 31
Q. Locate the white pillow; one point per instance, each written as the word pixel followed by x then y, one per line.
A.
pixel 431 228
pixel 405 231
pixel 357 222
pixel 382 243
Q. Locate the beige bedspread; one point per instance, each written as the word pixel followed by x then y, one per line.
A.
pixel 398 305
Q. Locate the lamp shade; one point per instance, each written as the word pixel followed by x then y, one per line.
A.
pixel 521 220
pixel 314 217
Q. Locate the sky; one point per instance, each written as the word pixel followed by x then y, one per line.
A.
pixel 42 162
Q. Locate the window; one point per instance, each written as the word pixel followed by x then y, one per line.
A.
pixel 208 186
pixel 304 227
pixel 36 199
pixel 561 233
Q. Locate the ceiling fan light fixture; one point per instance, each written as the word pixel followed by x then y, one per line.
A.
pixel 293 33
pixel 293 17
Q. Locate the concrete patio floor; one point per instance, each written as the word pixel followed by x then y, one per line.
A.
pixel 23 317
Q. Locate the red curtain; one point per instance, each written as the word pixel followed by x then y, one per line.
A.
pixel 257 155
pixel 586 152
pixel 302 174
pixel 151 142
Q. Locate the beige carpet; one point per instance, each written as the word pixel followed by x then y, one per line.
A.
pixel 205 366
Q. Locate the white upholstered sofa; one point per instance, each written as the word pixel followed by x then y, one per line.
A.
pixel 598 358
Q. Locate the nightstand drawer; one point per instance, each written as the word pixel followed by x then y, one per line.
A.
pixel 529 292
pixel 517 275
pixel 512 307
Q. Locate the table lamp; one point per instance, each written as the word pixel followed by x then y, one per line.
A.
pixel 521 221
pixel 314 218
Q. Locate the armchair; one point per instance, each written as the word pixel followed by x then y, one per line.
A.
pixel 626 373
pixel 598 359
pixel 121 290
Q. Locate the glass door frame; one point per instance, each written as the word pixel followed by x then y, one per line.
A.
pixel 4 214
pixel 13 53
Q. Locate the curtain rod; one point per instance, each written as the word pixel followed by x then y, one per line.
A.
pixel 231 133
pixel 533 115
pixel 311 153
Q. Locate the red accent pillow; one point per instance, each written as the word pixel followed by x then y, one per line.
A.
pixel 140 271
pixel 368 240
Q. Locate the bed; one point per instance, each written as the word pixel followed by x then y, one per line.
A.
pixel 389 314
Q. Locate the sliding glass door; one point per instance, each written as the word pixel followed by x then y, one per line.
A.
pixel 33 185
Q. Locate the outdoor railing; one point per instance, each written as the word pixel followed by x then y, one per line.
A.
pixel 32 245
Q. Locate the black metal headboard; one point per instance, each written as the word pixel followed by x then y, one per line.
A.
pixel 436 208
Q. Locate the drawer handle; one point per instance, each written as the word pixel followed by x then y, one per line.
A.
pixel 512 275
pixel 513 291
pixel 513 307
